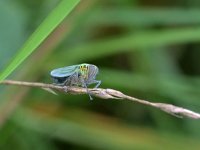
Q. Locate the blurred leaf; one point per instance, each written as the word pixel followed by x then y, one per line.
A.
pixel 143 17
pixel 23 139
pixel 49 24
pixel 11 29
pixel 175 87
pixel 130 42
pixel 99 132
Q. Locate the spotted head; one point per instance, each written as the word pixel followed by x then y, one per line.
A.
pixel 84 71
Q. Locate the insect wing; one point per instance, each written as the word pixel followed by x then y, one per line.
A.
pixel 64 72
pixel 93 71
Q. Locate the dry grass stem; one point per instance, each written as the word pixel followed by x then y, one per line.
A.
pixel 107 94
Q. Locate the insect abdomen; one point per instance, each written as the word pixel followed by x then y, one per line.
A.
pixel 59 80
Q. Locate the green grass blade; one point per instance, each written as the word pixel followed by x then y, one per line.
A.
pixel 142 40
pixel 47 26
pixel 147 17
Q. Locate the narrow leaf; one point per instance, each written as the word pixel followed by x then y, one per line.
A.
pixel 47 26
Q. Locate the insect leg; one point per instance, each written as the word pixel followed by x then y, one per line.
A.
pixel 65 89
pixel 75 79
pixel 98 82
pixel 84 85
pixel 71 80
pixel 89 94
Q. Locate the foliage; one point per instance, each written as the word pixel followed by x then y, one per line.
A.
pixel 145 49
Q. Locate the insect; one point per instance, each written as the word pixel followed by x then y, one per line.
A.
pixel 78 75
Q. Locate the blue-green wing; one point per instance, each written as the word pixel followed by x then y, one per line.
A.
pixel 64 72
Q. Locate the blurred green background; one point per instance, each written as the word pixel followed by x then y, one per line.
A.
pixel 146 49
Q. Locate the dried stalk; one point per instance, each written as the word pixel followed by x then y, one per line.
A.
pixel 108 94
